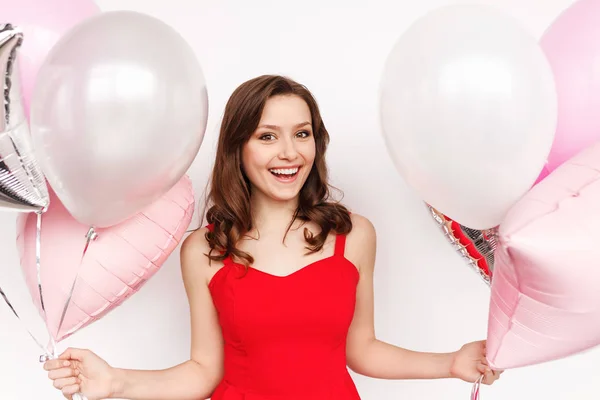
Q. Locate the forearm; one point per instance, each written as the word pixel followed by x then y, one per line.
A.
pixel 187 381
pixel 381 360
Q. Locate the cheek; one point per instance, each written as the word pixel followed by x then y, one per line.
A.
pixel 309 152
pixel 253 159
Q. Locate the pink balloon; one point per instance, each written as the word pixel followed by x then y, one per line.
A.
pixel 572 47
pixel 545 172
pixel 116 264
pixel 545 300
pixel 43 22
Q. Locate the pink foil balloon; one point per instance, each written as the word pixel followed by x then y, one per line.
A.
pixel 43 22
pixel 545 300
pixel 116 264
pixel 542 175
pixel 572 47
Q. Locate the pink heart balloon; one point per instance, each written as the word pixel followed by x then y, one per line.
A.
pixel 115 266
pixel 545 301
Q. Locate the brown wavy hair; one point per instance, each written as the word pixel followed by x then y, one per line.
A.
pixel 229 213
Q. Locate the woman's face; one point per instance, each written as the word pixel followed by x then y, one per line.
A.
pixel 279 155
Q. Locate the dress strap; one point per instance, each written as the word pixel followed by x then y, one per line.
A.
pixel 340 245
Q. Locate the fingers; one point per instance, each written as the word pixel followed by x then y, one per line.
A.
pixel 69 357
pixel 488 377
pixel 62 373
pixel 64 382
pixel 68 386
pixel 482 368
pixel 65 376
pixel 56 364
pixel 491 376
pixel 73 354
pixel 69 391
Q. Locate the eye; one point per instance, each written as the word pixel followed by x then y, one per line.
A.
pixel 303 134
pixel 267 137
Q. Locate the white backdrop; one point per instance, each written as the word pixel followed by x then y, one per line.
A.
pixel 426 297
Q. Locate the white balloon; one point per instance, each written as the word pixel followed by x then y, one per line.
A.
pixel 468 109
pixel 118 115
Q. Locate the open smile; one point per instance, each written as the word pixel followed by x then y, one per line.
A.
pixel 286 175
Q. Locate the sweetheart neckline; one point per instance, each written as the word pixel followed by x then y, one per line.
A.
pixel 287 276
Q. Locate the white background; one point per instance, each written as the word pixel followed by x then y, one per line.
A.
pixel 426 296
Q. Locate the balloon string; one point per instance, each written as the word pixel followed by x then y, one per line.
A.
pixel 38 266
pixel 48 352
pixel 7 301
pixel 89 237
pixel 475 389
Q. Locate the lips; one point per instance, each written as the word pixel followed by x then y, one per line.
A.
pixel 285 174
pixel 284 171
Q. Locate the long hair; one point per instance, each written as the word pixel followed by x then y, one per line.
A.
pixel 228 199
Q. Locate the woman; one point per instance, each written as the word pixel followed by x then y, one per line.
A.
pixel 280 283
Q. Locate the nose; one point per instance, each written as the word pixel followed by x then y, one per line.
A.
pixel 288 150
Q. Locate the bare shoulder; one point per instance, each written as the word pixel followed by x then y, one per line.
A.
pixel 362 227
pixel 194 262
pixel 361 242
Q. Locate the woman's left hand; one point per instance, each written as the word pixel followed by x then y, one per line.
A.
pixel 469 363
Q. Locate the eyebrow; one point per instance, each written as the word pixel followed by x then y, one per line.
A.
pixel 275 127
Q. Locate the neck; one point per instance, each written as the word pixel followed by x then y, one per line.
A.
pixel 270 215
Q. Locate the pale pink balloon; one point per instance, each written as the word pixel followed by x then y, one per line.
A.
pixel 116 264
pixel 43 22
pixel 545 300
pixel 545 172
pixel 572 47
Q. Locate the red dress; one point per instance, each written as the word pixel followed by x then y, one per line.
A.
pixel 285 337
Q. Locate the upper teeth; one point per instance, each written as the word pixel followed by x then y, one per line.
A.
pixel 284 171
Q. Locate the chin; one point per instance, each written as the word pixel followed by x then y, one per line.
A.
pixel 284 197
pixel 286 192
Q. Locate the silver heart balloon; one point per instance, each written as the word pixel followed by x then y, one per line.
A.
pixel 22 183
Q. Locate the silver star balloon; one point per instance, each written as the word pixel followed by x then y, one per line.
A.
pixel 22 183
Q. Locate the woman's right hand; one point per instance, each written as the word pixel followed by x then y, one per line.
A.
pixel 82 371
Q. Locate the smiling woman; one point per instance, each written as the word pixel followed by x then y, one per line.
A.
pixel 277 106
pixel 271 126
pixel 281 269
pixel 281 151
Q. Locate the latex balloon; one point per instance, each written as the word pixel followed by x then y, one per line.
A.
pixel 468 111
pixel 570 44
pixel 118 115
pixel 477 247
pixel 545 301
pixel 115 266
pixel 42 22
pixel 22 184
